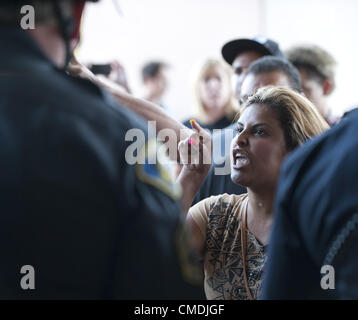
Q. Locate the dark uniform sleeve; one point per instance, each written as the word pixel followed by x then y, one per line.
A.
pixel 316 197
pixel 344 261
pixel 288 262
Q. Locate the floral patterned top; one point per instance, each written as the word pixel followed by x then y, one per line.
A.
pixel 219 220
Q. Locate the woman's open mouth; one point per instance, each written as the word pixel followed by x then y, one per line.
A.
pixel 240 159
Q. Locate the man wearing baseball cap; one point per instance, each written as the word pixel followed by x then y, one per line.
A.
pixel 240 53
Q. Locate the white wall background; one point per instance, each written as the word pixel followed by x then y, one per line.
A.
pixel 185 32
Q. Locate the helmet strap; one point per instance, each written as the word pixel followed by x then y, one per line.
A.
pixel 67 25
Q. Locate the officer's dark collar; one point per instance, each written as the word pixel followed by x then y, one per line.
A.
pixel 21 54
pixel 351 112
pixel 19 50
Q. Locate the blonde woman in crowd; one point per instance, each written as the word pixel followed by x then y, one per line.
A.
pixel 215 106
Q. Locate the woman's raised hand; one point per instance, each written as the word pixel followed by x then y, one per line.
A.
pixel 195 151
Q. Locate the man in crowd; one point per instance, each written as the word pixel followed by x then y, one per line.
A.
pixel 155 81
pixel 241 53
pixel 317 70
pixel 77 221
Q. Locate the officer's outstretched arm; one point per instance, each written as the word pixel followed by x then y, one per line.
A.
pixel 145 109
pixel 151 112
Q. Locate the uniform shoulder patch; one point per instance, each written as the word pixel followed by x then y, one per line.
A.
pixel 156 169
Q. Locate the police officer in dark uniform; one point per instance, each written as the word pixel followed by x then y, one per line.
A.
pixel 314 240
pixel 76 220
